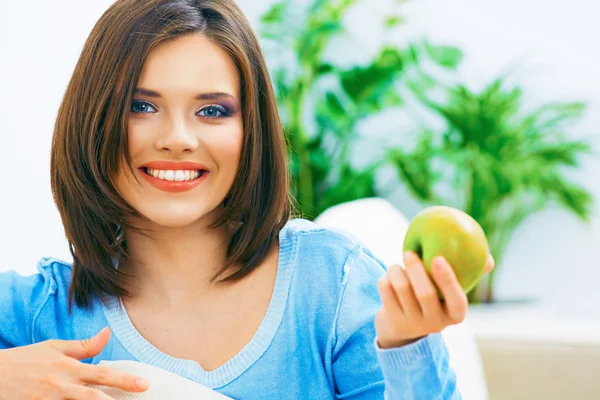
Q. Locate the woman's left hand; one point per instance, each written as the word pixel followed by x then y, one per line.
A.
pixel 411 306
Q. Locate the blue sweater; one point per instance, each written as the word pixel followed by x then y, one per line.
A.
pixel 317 339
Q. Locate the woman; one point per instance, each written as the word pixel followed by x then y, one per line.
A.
pixel 168 169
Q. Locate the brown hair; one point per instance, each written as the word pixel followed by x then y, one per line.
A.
pixel 90 139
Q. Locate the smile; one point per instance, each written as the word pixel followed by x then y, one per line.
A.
pixel 174 175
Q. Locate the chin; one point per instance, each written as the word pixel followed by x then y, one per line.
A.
pixel 178 216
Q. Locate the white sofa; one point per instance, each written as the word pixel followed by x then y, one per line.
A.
pixel 381 227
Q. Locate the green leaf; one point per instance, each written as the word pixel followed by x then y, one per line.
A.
pixel 551 116
pixel 334 116
pixel 323 69
pixel 311 44
pixel 333 104
pixel 446 56
pixel 572 196
pixel 373 86
pixel 282 87
pixel 320 163
pixel 577 199
pixel 393 21
pixel 415 168
pixel 275 14
pixel 565 153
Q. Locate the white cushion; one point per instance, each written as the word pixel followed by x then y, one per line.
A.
pixel 164 385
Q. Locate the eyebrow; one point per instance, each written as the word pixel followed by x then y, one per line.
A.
pixel 200 96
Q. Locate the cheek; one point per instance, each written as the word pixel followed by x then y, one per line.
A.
pixel 227 151
pixel 138 137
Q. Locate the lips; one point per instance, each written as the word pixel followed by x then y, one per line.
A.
pixel 176 165
pixel 174 177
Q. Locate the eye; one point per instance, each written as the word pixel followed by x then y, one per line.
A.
pixel 142 107
pixel 213 112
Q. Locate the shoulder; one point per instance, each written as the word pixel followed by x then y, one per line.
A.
pixel 52 275
pixel 330 269
pixel 56 273
pixel 335 250
pixel 22 298
pixel 37 306
pixel 53 319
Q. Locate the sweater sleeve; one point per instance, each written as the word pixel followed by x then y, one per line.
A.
pixel 21 298
pixel 361 369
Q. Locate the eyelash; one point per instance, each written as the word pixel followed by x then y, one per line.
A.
pixel 224 113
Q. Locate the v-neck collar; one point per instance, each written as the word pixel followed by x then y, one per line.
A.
pixel 129 337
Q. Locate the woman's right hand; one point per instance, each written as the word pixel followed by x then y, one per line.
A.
pixel 52 370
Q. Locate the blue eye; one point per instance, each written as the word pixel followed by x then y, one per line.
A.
pixel 142 107
pixel 213 112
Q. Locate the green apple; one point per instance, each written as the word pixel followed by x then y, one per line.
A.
pixel 453 234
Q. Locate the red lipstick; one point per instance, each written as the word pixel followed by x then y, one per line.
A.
pixel 168 182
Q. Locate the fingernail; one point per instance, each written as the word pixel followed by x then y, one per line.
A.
pixel 142 384
pixel 458 317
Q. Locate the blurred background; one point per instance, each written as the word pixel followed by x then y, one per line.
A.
pixel 486 105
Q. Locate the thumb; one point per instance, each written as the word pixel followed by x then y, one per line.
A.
pixel 86 348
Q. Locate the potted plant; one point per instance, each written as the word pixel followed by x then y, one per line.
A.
pixel 491 158
pixel 322 104
pixel 496 160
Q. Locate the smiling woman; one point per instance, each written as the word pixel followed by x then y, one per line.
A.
pixel 174 96
pixel 169 170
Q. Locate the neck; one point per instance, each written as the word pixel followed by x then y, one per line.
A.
pixel 175 265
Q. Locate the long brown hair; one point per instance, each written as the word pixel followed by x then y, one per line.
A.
pixel 90 140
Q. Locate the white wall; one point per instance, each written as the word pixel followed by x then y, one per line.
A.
pixel 553 256
pixel 39 45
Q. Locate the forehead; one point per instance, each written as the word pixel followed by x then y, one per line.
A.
pixel 188 65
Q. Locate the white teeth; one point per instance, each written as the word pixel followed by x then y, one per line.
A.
pixel 172 175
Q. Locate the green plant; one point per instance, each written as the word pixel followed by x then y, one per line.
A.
pixel 492 159
pixel 339 97
pixel 504 163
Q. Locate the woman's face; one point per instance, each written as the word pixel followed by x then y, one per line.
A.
pixel 185 132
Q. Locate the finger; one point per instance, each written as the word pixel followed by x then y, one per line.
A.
pixel 80 392
pixel 490 264
pixel 388 297
pixel 404 291
pixel 456 302
pixel 82 349
pixel 105 376
pixel 424 289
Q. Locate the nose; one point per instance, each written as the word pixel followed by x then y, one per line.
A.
pixel 177 137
